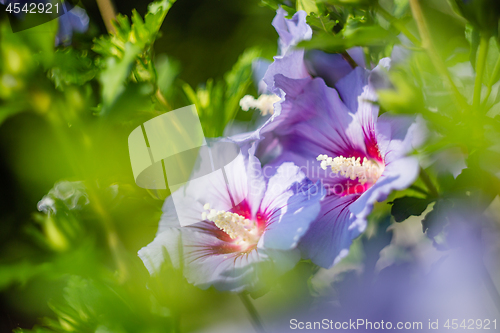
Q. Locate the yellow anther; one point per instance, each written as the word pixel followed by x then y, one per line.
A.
pixel 352 168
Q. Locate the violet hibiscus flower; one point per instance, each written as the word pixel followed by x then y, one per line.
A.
pixel 293 63
pixel 296 63
pixel 242 226
pixel 358 156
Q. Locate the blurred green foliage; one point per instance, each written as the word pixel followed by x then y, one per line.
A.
pixel 65 114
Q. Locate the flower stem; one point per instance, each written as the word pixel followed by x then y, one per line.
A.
pixel 254 315
pixel 480 65
pixel 349 59
pixel 428 183
pixel 427 45
pixel 108 13
pixel 419 190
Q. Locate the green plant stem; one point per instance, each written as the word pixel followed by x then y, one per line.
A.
pixel 114 243
pixel 419 190
pixel 108 13
pixel 349 59
pixel 427 45
pixel 398 25
pixel 480 65
pixel 72 153
pixel 254 315
pixel 496 72
pixel 428 183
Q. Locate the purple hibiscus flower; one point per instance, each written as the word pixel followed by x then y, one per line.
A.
pixel 241 226
pixel 335 135
pixel 359 157
pixel 294 63
pixel 75 20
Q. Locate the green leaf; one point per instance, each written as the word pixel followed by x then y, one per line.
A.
pixel 309 6
pixel 356 3
pixel 21 272
pixel 355 33
pixel 434 221
pixel 218 102
pixel 167 71
pixel 116 72
pixel 404 207
pixel 321 23
pixel 401 7
pixel 71 67
pixel 129 51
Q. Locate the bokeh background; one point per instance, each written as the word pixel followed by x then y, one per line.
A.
pixel 77 270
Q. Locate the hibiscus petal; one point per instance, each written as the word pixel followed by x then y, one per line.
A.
pixel 291 31
pixel 397 175
pixel 330 127
pixel 290 62
pixel 291 65
pixel 164 248
pixel 332 66
pixel 329 237
pixel 294 202
pixel 399 135
pixel 195 252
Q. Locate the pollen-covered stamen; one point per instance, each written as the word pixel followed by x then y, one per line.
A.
pixel 264 103
pixel 244 231
pixel 351 167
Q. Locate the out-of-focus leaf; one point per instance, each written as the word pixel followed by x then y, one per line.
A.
pixel 355 33
pixel 71 67
pixel 445 181
pixel 321 23
pixel 433 224
pixel 352 2
pixel 24 57
pixel 483 14
pixel 477 184
pixel 401 7
pixel 472 36
pixel 116 72
pixel 404 98
pixel 403 208
pixel 20 273
pixel 128 53
pixel 490 77
pixel 167 70
pixel 275 4
pixel 309 6
pixel 134 104
pixel 217 103
pixel 374 244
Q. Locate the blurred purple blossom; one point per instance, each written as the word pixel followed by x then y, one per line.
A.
pixel 215 250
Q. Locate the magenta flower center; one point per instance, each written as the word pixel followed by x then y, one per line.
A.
pixel 366 171
pixel 244 231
